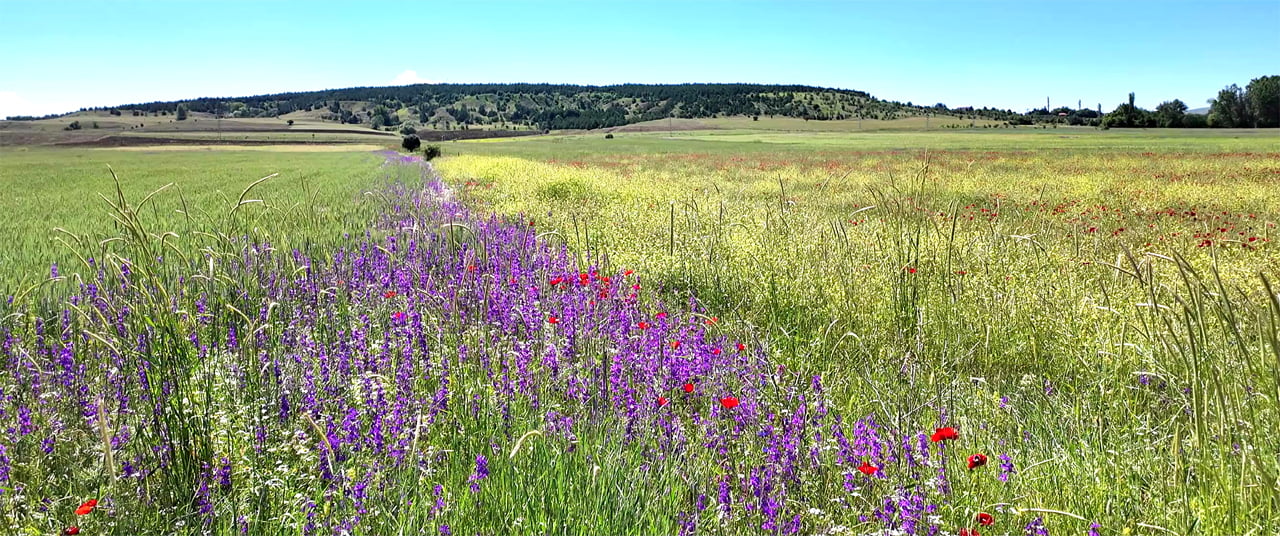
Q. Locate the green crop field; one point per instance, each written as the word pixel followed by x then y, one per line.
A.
pixel 742 330
pixel 53 200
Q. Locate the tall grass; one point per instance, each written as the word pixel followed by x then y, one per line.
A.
pixel 1068 306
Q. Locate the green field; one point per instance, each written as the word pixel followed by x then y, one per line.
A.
pixel 1096 311
pixel 52 199
pixel 1007 275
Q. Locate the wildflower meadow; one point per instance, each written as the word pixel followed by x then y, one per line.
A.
pixel 720 339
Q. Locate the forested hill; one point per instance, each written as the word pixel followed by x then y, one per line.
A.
pixel 553 106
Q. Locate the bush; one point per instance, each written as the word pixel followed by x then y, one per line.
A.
pixel 290 122
pixel 430 152
pixel 608 136
pixel 411 143
pixel 75 125
pixel 408 130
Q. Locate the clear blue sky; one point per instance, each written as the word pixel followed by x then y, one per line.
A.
pixel 57 56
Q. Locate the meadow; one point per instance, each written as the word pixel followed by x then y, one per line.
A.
pixel 706 332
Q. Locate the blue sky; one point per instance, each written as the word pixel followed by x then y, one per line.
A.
pixel 57 56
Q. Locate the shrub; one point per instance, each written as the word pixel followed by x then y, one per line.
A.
pixel 290 122
pixel 411 143
pixel 408 130
pixel 431 152
pixel 608 136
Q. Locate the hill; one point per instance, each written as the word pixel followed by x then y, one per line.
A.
pixel 547 106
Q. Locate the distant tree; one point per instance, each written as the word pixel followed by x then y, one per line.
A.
pixel 290 122
pixel 1195 121
pixel 1128 115
pixel 75 125
pixel 182 112
pixel 431 152
pixel 1169 114
pixel 408 129
pixel 411 143
pixel 1230 109
pixel 608 136
pixel 1263 96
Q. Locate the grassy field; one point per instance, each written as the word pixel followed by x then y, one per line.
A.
pixel 1092 302
pixel 715 332
pixel 52 199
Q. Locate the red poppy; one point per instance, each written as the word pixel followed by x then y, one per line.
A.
pixel 643 325
pixel 688 387
pixel 662 401
pixel 741 347
pixel 389 294
pixel 71 531
pixel 977 460
pixel 729 402
pixel 969 532
pixel 909 269
pixel 943 434
pixel 555 281
pixel 471 267
pixel 715 351
pixel 553 320
pixel 675 345
pixel 661 315
pixel 86 507
pixel 712 321
pixel 868 469
pixel 398 315
pixel 628 272
pixel 985 519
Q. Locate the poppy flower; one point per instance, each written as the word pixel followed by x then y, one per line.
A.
pixel 643 325
pixel 471 267
pixel 389 294
pixel 555 281
pixel 976 461
pixel 985 519
pixel 661 315
pixel 553 320
pixel 71 531
pixel 969 532
pixel 398 315
pixel 943 434
pixel 741 347
pixel 628 272
pixel 675 345
pixel 712 321
pixel 868 469
pixel 662 401
pixel 688 387
pixel 86 507
pixel 909 269
pixel 729 402
pixel 715 351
